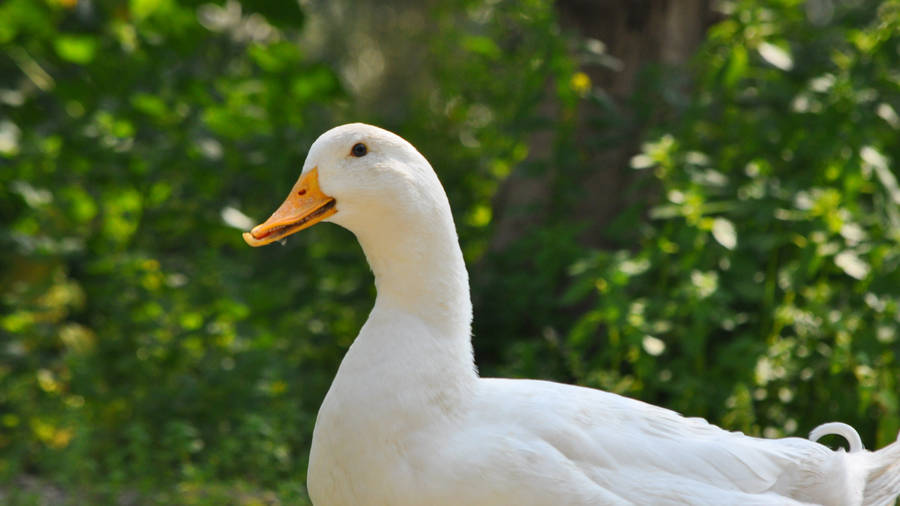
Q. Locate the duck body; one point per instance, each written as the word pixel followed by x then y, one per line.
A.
pixel 408 421
pixel 498 441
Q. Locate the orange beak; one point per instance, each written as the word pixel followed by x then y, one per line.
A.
pixel 305 206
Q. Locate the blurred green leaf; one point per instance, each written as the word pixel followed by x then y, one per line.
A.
pixel 737 66
pixel 482 45
pixel 76 48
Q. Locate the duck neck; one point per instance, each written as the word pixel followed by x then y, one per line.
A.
pixel 414 353
pixel 420 271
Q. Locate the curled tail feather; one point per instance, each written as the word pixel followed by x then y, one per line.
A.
pixel 839 429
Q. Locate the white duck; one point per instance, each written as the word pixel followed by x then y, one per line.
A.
pixel 408 421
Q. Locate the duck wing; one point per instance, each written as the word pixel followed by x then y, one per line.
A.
pixel 650 455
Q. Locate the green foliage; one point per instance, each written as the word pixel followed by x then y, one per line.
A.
pixel 764 293
pixel 144 347
pixel 143 341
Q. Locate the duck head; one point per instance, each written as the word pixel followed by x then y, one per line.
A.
pixel 355 175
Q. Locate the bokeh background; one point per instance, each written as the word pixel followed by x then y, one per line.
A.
pixel 694 203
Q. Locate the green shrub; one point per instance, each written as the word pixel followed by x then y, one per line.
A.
pixel 764 294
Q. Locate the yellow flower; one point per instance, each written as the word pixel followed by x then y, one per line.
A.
pixel 61 438
pixel 278 387
pixel 581 83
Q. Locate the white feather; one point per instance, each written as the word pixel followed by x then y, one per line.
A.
pixel 841 429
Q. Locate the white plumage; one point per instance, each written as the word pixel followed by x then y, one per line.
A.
pixel 407 420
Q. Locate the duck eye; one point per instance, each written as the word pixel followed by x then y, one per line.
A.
pixel 359 149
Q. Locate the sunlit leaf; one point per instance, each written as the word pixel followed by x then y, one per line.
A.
pixel 852 264
pixel 653 345
pixel 776 56
pixel 9 138
pixel 482 45
pixel 641 161
pixel 144 8
pixel 236 219
pixel 737 66
pixel 76 48
pixel 149 104
pixel 724 233
pixel 879 163
pixel 887 113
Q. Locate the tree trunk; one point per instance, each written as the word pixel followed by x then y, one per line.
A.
pixel 636 33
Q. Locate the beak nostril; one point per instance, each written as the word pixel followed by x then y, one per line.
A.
pixel 302 192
